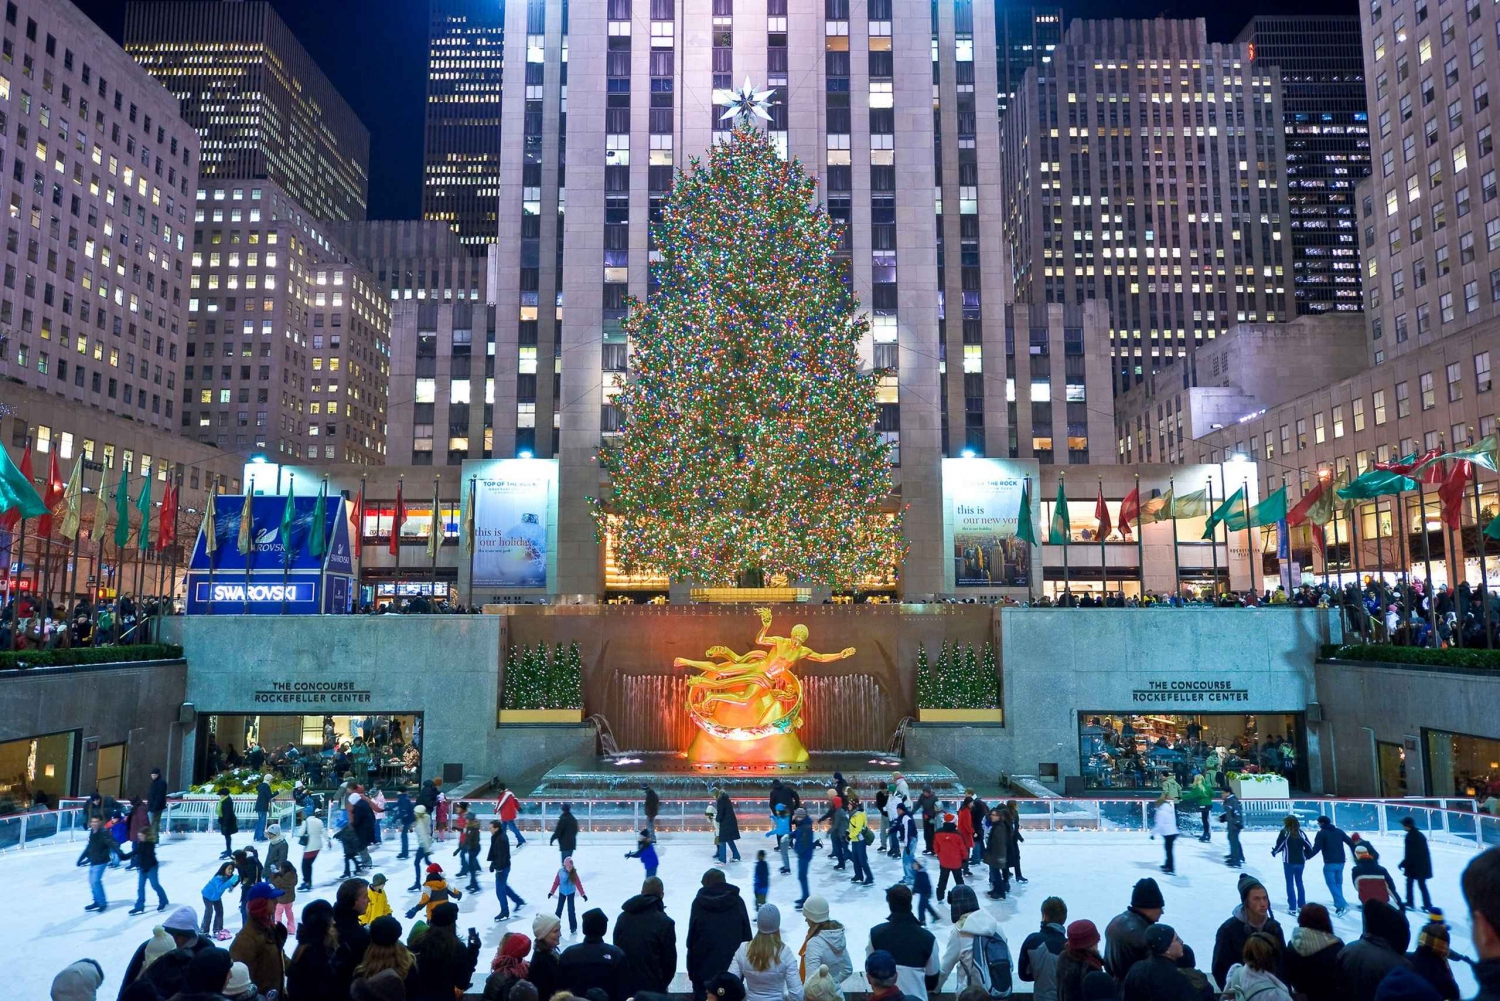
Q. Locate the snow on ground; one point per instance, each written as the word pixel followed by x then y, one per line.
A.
pixel 1092 872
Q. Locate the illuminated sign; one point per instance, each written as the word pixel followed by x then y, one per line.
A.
pixel 228 592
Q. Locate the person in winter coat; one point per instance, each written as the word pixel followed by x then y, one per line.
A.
pixel 1372 881
pixel 213 899
pixel 1329 842
pixel 593 963
pixel 1311 960
pixel 648 937
pixel 179 938
pixel 310 837
pixel 468 850
pixel 781 830
pixel 858 846
pixel 378 905
pixel 1037 963
pixel 1125 936
pixel 229 824
pixel 997 846
pixel 156 799
pixel 1164 826
pixel 1160 978
pixel 405 814
pixel 1233 819
pixel 509 808
pixel 1430 960
pixel 445 964
pixel 1200 796
pixel 362 819
pixel 1382 948
pixel 952 854
pixel 969 923
pixel 247 865
pixel 260 942
pixel 276 851
pixel 824 947
pixel 509 965
pixel 1416 864
pixel 349 902
pixel 78 982
pixel 767 967
pixel 435 892
pixel 499 861
pixel 422 827
pixel 717 924
pixel 1255 979
pixel 263 797
pixel 1293 847
pixel 143 856
pixel 803 845
pixel 965 825
pixel 650 807
pixel 546 932
pixel 1252 916
pixel 310 975
pixel 1079 958
pixel 921 891
pixel 565 831
pixel 284 878
pixel 1012 817
pixel 645 850
pixel 838 830
pixel 729 827
pixel 566 885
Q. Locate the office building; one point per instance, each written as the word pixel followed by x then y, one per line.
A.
pixel 1145 167
pixel 260 103
pixel 1024 40
pixel 1327 148
pixel 99 179
pixel 288 346
pixel 461 162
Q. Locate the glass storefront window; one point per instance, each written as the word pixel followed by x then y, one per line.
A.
pixel 1459 764
pixel 319 749
pixel 35 771
pixel 1122 751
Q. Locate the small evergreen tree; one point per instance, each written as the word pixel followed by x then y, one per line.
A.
pixel 924 679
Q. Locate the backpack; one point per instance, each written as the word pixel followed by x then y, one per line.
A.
pixel 989 965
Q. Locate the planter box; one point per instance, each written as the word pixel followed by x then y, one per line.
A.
pixel 515 717
pixel 961 715
pixel 1247 787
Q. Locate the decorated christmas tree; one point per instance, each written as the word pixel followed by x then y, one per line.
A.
pixel 749 445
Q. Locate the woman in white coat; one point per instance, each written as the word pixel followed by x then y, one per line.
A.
pixel 824 945
pixel 766 966
pixel 1164 826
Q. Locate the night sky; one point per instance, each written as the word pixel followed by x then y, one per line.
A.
pixel 374 51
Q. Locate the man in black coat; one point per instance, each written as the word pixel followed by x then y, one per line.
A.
pixel 1158 978
pixel 427 796
pixel 1251 916
pixel 651 808
pixel 649 937
pixel 593 962
pixel 717 924
pixel 156 799
pixel 565 831
pixel 263 797
pixel 729 827
pixel 351 900
pixel 1481 886
pixel 1363 964
pixel 362 819
pixel 1417 863
pixel 1037 960
pixel 1330 843
pixel 1125 936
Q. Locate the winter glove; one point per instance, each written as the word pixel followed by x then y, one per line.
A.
pixel 412 913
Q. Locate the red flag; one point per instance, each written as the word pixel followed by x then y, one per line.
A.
pixel 12 518
pixel 397 521
pixel 357 516
pixel 1452 492
pixel 51 496
pixel 1319 539
pixel 1400 465
pixel 1101 514
pixel 166 524
pixel 1298 514
pixel 1130 510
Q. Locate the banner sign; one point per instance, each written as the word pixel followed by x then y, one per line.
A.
pixel 983 498
pixel 510 525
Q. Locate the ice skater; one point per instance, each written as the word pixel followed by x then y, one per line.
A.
pixel 221 882
pixel 143 856
pixel 508 808
pixel 97 853
pixel 566 885
pixel 423 829
pixel 310 836
pixel 762 879
pixel 781 830
pixel 499 859
pixel 1293 847
pixel 1416 864
pixel 468 850
pixel 435 891
pixel 922 889
pixel 1164 825
pixel 645 850
pixel 229 824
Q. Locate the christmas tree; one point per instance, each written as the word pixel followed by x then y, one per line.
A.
pixel 749 445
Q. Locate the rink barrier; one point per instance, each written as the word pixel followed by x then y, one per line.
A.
pixel 1447 821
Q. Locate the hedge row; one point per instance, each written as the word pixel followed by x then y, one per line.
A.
pixel 88 655
pixel 1426 656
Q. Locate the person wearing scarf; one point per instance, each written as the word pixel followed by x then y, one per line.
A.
pixel 1080 957
pixel 508 966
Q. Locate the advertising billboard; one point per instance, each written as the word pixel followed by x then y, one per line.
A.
pixel 982 500
pixel 512 516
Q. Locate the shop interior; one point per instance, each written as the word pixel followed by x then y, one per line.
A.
pixel 321 750
pixel 1460 764
pixel 1123 752
pixel 36 771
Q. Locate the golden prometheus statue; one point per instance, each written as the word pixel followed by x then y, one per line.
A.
pixel 748 706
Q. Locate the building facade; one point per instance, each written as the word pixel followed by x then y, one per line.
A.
pixel 260 103
pixel 461 161
pixel 1145 167
pixel 288 347
pixel 1327 149
pixel 1024 40
pixel 99 179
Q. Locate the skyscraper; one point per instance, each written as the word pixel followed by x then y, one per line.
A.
pixel 261 105
pixel 461 162
pixel 1024 39
pixel 1145 167
pixel 1327 148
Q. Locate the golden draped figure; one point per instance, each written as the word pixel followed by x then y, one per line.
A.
pixel 748 706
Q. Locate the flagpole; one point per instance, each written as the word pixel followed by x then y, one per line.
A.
pixel 1031 547
pixel 1103 558
pixel 359 560
pixel 1250 538
pixel 1213 540
pixel 1428 591
pixel 15 619
pixel 210 545
pixel 438 528
pixel 176 526
pixel 1067 539
pixel 396 542
pixel 1176 566
pixel 245 610
pixel 1140 545
pixel 473 542
pixel 1484 568
pixel 286 543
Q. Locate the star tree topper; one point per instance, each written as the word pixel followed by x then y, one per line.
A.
pixel 747 103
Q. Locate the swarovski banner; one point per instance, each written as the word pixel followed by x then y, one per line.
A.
pixel 511 514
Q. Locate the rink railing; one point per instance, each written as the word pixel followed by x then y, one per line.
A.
pixel 1451 821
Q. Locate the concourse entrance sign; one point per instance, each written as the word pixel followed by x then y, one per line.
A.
pixel 279 574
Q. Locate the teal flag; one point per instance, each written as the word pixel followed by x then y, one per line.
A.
pixel 288 519
pixel 16 492
pixel 317 543
pixel 1231 513
pixel 143 505
pixel 122 510
pixel 1061 531
pixel 1376 483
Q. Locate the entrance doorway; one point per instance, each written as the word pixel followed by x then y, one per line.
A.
pixel 111 770
pixel 1390 767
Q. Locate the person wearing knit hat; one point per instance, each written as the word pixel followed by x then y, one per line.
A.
pixel 1098 986
pixel 385 951
pixel 240 987
pixel 385 930
pixel 1430 959
pixel 765 964
pixel 379 905
pixel 383 986
pixel 824 944
pixel 821 987
pixel 1125 935
pixel 1311 957
pixel 1079 958
pixel 78 982
pixel 1404 984
pixel 1251 916
pixel 546 933
pixel 593 963
pixel 725 987
pixel 1157 978
pixel 160 943
pixel 446 961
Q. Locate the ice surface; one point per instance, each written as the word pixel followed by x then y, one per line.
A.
pixel 1092 872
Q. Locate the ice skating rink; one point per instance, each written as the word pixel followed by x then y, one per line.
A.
pixel 1093 872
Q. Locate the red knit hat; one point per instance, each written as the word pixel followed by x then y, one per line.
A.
pixel 433 869
pixel 1082 934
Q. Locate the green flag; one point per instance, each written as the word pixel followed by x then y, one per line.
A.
pixel 316 541
pixel 1492 530
pixel 1061 533
pixel 122 510
pixel 1193 505
pixel 1269 511
pixel 1157 509
pixel 16 491
pixel 143 505
pixel 1025 530
pixel 288 519
pixel 1483 453
pixel 1231 513
pixel 1376 483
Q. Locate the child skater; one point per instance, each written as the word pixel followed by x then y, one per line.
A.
pixel 645 850
pixel 781 830
pixel 762 878
pixel 566 885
